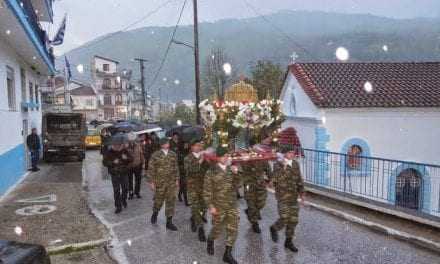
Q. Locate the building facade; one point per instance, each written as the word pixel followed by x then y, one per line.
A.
pixel 112 87
pixel 369 129
pixel 84 100
pixel 26 60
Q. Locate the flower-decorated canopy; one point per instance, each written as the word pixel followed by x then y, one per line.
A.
pixel 241 92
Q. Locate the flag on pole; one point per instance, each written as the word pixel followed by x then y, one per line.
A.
pixel 59 37
pixel 68 71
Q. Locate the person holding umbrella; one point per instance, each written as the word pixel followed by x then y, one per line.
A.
pixel 162 172
pixel 117 160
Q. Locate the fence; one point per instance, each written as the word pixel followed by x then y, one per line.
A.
pixel 410 185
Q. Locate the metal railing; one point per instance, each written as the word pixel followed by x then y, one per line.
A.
pixel 33 21
pixel 405 185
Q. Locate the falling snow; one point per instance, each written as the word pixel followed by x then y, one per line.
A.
pixel 342 54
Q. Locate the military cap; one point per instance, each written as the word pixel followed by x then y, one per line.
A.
pixel 164 141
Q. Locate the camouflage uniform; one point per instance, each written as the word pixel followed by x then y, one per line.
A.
pixel 163 172
pixel 195 174
pixel 220 192
pixel 255 192
pixel 288 185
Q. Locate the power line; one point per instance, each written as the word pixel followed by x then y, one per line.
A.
pixel 149 14
pixel 280 30
pixel 156 75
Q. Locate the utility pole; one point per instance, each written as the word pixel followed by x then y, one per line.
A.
pixel 144 92
pixel 196 62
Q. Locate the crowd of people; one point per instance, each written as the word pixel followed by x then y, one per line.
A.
pixel 175 169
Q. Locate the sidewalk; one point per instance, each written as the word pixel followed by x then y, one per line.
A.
pixel 402 229
pixel 50 208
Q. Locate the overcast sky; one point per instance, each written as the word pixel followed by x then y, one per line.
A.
pixel 88 19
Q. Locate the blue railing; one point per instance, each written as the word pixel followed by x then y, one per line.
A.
pixel 406 185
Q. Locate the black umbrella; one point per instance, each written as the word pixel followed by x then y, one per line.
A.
pixel 176 129
pixel 119 139
pixel 193 133
pixel 123 127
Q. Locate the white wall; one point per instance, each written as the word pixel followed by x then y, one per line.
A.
pixel 303 105
pixel 401 134
pixel 98 64
pixel 305 129
pixel 81 102
pixel 11 121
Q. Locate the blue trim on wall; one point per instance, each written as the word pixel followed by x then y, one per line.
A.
pixel 426 184
pixel 365 167
pixel 321 161
pixel 14 5
pixel 12 167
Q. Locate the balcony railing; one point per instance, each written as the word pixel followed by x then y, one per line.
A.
pixel 33 21
pixel 407 186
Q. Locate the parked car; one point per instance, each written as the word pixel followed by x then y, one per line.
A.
pixel 93 138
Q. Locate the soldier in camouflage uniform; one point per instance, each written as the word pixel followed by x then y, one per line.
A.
pixel 255 192
pixel 195 169
pixel 288 185
pixel 220 188
pixel 163 174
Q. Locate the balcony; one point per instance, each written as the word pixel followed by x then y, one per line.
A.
pixel 22 18
pixel 106 74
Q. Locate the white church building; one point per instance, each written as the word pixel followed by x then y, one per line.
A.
pixel 369 129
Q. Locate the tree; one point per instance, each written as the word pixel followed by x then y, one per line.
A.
pixel 215 79
pixel 267 79
pixel 186 114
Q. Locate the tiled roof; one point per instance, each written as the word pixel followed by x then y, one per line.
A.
pixel 83 91
pixel 341 85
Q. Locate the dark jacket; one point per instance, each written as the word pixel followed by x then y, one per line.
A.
pixel 124 157
pixel 33 142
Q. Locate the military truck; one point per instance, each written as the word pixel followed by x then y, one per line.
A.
pixel 63 136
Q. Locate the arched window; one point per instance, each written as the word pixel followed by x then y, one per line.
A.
pixel 354 159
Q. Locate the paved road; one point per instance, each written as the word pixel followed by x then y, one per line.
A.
pixel 321 238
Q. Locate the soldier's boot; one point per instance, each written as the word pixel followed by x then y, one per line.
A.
pixel 118 210
pixel 170 224
pixel 210 247
pixel 124 203
pixel 179 196
pixel 185 198
pixel 202 237
pixel 274 234
pixel 289 245
pixel 204 218
pixel 130 196
pixel 193 225
pixel 227 257
pixel 256 228
pixel 154 217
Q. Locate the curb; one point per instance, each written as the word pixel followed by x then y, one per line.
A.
pixel 77 246
pixel 115 253
pixel 420 241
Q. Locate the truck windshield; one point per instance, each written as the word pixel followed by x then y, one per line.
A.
pixel 63 124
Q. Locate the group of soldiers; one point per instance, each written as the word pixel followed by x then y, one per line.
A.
pixel 206 186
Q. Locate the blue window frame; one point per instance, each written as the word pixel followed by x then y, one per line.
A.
pixel 356 162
